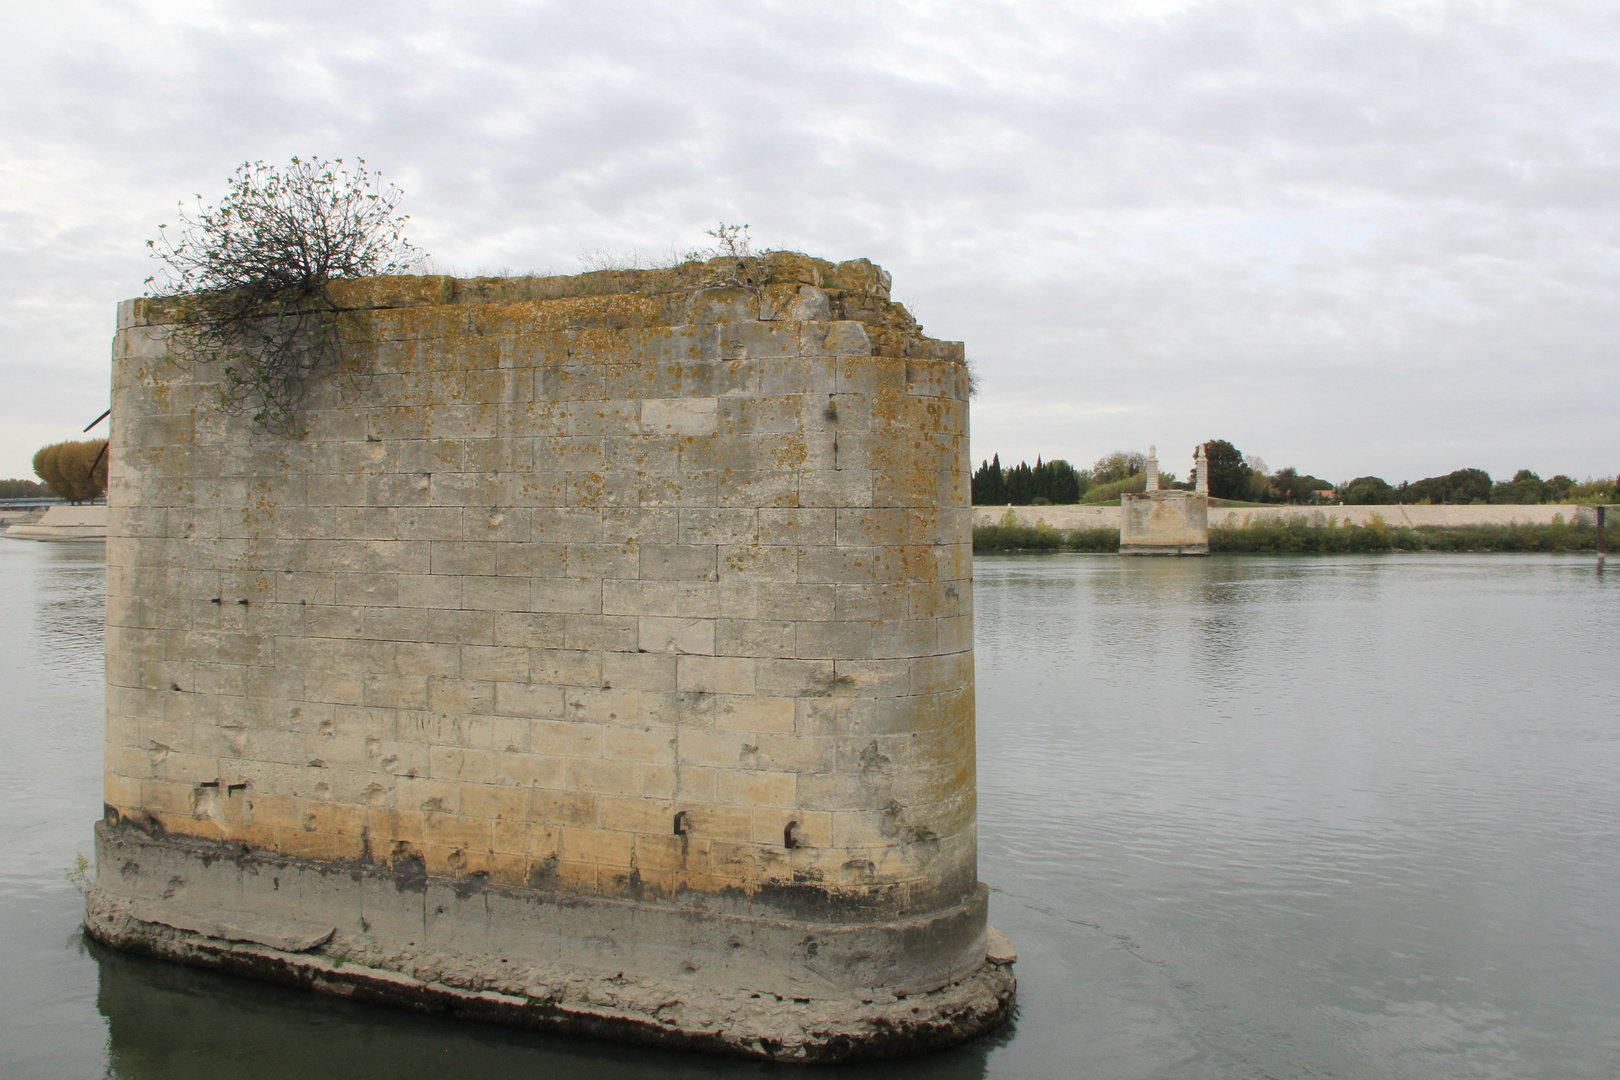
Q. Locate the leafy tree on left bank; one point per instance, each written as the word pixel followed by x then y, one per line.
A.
pixel 1287 485
pixel 75 471
pixel 1119 465
pixel 1527 488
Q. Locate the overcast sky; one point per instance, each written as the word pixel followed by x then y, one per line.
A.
pixel 1356 238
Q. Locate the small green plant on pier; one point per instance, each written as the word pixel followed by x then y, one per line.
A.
pixel 78 874
pixel 743 267
pixel 248 280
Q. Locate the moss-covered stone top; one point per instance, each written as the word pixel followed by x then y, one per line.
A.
pixel 773 286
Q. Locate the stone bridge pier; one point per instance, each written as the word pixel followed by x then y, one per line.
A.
pixel 599 658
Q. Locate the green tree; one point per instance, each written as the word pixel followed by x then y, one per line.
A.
pixel 1054 481
pixel 1229 475
pixel 1369 491
pixel 1060 482
pixel 989 485
pixel 1463 486
pixel 1288 485
pixel 21 489
pixel 1468 486
pixel 1119 465
pixel 1526 488
pixel 1020 484
pixel 1593 491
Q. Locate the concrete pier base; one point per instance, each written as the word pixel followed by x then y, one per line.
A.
pixel 779 988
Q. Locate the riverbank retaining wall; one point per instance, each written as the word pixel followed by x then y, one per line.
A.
pixel 73 523
pixel 1109 517
pixel 604 645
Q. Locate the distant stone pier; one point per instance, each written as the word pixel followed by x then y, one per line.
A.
pixel 600 659
pixel 1159 522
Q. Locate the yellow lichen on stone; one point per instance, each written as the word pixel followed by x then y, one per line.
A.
pixel 558 560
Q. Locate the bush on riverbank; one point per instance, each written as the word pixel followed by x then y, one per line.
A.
pixel 1134 484
pixel 1557 537
pixel 1009 535
pixel 1272 535
pixel 1278 536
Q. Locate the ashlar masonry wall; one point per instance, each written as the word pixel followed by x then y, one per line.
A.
pixel 635 596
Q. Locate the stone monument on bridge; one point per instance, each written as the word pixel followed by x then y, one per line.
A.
pixel 600 658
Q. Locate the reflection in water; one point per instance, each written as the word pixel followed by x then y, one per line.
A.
pixel 68 611
pixel 68 614
pixel 1309 817
pixel 1331 817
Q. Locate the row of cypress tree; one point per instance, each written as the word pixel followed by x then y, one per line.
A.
pixel 1055 482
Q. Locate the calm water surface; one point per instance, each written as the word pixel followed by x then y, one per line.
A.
pixel 1245 817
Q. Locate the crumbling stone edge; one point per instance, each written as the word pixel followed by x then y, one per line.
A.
pixel 740 1023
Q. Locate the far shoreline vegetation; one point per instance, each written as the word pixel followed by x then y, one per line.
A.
pixel 1236 478
pixel 23 489
pixel 1324 536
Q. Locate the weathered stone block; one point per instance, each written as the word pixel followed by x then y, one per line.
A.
pixel 662 634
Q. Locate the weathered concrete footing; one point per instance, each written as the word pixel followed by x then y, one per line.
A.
pixel 658 976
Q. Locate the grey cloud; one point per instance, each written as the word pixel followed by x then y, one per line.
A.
pixel 1356 238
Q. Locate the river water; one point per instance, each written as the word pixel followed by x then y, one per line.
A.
pixel 1244 817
